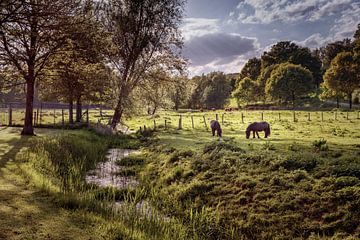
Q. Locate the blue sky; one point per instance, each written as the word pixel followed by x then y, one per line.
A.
pixel 223 34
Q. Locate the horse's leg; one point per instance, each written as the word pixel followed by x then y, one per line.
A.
pixel 257 133
pixel 253 134
pixel 213 132
pixel 265 134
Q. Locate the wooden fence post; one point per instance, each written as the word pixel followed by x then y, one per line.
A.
pixel 242 117
pixel 222 119
pixel 192 121
pixel 262 116
pixel 217 117
pixel 165 123
pixel 154 124
pixel 309 116
pixel 335 115
pixel 322 116
pixel 358 115
pixel 347 115
pixel 62 117
pixel 294 116
pixel 205 122
pixel 41 107
pixel 10 115
pixel 180 122
pixel 279 116
pixel 54 117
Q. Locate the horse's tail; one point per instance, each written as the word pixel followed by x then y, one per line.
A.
pixel 268 130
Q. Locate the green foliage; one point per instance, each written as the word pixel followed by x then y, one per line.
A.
pixel 251 69
pixel 341 77
pixel 320 145
pixel 245 91
pixel 289 81
pixel 286 51
pixel 211 91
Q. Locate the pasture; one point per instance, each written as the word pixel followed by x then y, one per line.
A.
pixel 302 182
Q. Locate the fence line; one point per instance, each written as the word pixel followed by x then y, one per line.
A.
pixel 42 116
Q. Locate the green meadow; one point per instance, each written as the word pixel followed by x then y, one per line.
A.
pixel 302 182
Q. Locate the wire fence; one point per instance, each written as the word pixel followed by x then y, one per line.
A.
pixel 56 114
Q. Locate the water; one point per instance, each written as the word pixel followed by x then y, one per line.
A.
pixel 104 174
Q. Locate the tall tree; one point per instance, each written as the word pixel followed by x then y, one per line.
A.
pixel 290 52
pixel 28 42
pixel 145 35
pixel 245 91
pixel 342 75
pixel 289 81
pixel 251 69
pixel 329 52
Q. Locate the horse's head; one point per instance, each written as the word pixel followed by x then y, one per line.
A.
pixel 247 133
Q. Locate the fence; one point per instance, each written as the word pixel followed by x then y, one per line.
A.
pixel 50 114
pixel 54 114
pixel 201 120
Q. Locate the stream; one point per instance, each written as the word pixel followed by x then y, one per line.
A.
pixel 104 174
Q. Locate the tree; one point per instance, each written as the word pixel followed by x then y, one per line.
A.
pixel 341 77
pixel 289 81
pixel 290 52
pixel 145 36
pixel 329 52
pixel 179 91
pixel 78 71
pixel 217 91
pixel 245 91
pixel 251 69
pixel 261 81
pixel 32 38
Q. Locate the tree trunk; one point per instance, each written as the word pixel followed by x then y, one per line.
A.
pixel 78 109
pixel 28 124
pixel 71 106
pixel 117 115
pixel 154 110
pixel 293 99
pixel 350 100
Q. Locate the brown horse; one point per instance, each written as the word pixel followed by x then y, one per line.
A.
pixel 215 126
pixel 256 127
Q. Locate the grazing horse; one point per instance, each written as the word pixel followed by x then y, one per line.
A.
pixel 215 126
pixel 256 127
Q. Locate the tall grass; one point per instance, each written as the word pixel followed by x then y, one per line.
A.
pixel 57 166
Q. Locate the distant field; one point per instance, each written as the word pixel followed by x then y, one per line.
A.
pixel 343 132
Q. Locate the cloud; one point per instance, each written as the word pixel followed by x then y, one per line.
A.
pixel 314 41
pixel 193 27
pixel 218 48
pixel 289 11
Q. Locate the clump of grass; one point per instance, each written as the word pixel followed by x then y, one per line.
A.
pixel 320 145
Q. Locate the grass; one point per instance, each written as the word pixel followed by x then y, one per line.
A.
pixel 302 182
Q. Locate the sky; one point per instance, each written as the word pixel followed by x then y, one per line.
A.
pixel 221 35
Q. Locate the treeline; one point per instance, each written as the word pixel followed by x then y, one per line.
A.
pixel 286 73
